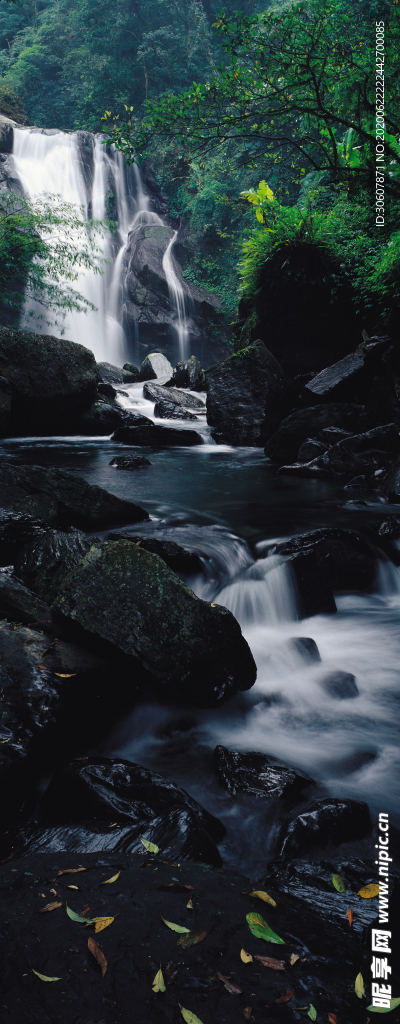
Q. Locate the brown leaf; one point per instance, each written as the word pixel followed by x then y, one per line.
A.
pixel 228 985
pixel 98 955
pixel 191 939
pixel 247 1012
pixel 332 1018
pixel 70 871
pixel 349 914
pixel 268 961
pixel 50 906
pixel 285 999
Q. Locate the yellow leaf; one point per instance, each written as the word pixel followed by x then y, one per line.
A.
pixel 189 906
pixel 359 986
pixel 70 871
pixel 189 1017
pixel 150 847
pixel 102 922
pixel 368 891
pixel 293 959
pixel 246 957
pixel 158 983
pixel 113 879
pixel 43 977
pixel 263 896
pixel 73 887
pixel 65 675
pixel 174 927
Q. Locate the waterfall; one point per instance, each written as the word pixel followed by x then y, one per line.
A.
pixel 50 164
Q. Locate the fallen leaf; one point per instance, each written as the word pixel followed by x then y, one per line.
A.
pixel 50 906
pixel 191 939
pixel 368 891
pixel 228 985
pixel 76 917
pixel 70 871
pixel 73 887
pixel 150 847
pixel 293 958
pixel 43 977
pixel 64 675
pixel 312 1013
pixel 247 1012
pixel 349 914
pixel 263 896
pixel 113 879
pixel 338 882
pixel 98 955
pixel 188 1016
pixel 158 983
pixel 176 887
pixel 43 667
pixel 246 957
pixel 359 986
pixel 189 906
pixel 261 929
pixel 175 927
pixel 100 923
pixel 286 998
pixel 268 961
pixel 332 1018
pixel 385 1009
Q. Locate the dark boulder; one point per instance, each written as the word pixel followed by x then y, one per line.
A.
pixel 155 365
pixel 44 562
pixel 129 597
pixel 158 392
pixel 189 374
pixel 331 435
pixel 368 375
pixel 175 556
pixel 62 498
pixel 52 381
pixel 17 603
pixel 105 416
pixel 284 445
pixel 340 685
pixel 171 411
pixel 306 647
pixel 115 375
pixel 130 462
pixel 107 390
pixel 246 397
pixel 133 372
pixel 17 529
pixel 391 482
pixel 324 822
pixel 311 449
pixel 155 436
pixel 5 406
pixel 371 450
pixel 325 561
pixel 258 775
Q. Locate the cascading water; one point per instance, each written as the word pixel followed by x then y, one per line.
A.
pixel 50 164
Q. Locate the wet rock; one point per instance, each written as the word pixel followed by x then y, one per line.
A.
pixel 133 372
pixel 17 603
pixel 258 775
pixel 283 446
pixel 369 449
pixel 365 375
pixel 391 482
pixel 340 685
pixel 331 435
pixel 44 562
pixel 196 653
pixel 130 462
pixel 184 399
pixel 246 397
pixel 390 527
pixel 170 411
pixel 62 498
pixel 179 560
pixel 324 822
pixel 104 416
pixel 325 561
pixel 155 365
pixel 189 374
pixel 17 529
pixel 107 390
pixel 310 449
pixel 115 375
pixel 155 436
pixel 51 380
pixel 306 647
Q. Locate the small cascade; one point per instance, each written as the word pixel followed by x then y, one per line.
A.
pixel 178 297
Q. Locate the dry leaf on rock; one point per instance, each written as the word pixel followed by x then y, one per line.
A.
pixel 44 977
pixel 263 896
pixel 332 1018
pixel 191 939
pixel 98 955
pixel 70 871
pixel 268 961
pixel 158 983
pixel 228 985
pixel 293 958
pixel 113 879
pixel 286 998
pixel 189 906
pixel 175 927
pixel 50 906
pixel 349 914
pixel 188 1016
pixel 100 923
pixel 368 891
pixel 246 957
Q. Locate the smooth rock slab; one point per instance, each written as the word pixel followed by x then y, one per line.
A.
pixel 155 436
pixel 159 393
pixel 129 597
pixel 170 411
pixel 258 775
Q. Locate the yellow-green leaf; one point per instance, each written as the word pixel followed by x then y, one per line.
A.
pixel 338 883
pixel 246 957
pixel 385 1009
pixel 150 847
pixel 76 917
pixel 113 879
pixel 261 929
pixel 175 927
pixel 312 1013
pixel 191 939
pixel 368 891
pixel 189 1017
pixel 359 986
pixel 158 983
pixel 43 977
pixel 263 896
pixel 293 959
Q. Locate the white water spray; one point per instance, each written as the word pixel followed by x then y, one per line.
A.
pixel 177 294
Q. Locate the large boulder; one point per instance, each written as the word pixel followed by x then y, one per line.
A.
pixel 115 375
pixel 257 775
pixel 245 397
pixel 104 416
pixel 17 603
pixel 155 436
pixel 369 375
pixel 179 559
pixel 155 365
pixel 129 597
pixel 171 411
pixel 369 454
pixel 283 446
pixel 44 562
pixel 62 498
pixel 325 561
pixel 324 822
pixel 189 374
pixel 157 392
pixel 52 380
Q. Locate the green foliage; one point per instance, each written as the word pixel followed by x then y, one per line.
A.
pixel 10 104
pixel 44 245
